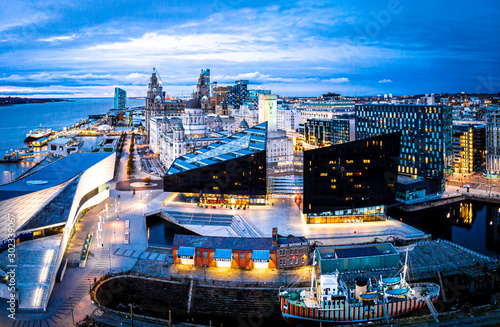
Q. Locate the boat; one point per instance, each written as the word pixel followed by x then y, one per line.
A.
pixel 331 299
pixel 37 133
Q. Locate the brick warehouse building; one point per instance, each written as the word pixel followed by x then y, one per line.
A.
pixel 241 252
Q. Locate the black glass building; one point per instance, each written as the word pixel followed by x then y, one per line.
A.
pixel 229 172
pixel 354 180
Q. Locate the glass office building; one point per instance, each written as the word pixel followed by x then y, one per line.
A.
pixel 326 132
pixel 426 138
pixel 120 98
pixel 351 181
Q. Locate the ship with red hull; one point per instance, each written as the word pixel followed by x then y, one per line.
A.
pixel 330 299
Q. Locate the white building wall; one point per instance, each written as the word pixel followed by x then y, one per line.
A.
pixel 154 133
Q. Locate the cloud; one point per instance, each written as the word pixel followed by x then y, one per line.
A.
pixel 59 38
pixel 304 47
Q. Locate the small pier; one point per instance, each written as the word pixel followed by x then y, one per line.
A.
pixel 450 199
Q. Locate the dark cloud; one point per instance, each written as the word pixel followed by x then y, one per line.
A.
pixel 301 48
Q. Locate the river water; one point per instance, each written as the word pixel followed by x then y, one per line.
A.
pixel 17 120
pixel 473 225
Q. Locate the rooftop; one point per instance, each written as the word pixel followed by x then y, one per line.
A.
pixel 61 141
pixel 233 243
pixel 247 142
pixel 54 174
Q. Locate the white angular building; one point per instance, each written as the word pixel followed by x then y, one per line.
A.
pixel 42 209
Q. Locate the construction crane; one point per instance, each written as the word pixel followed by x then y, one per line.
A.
pixel 158 74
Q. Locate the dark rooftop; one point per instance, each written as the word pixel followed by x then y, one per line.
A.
pixel 233 243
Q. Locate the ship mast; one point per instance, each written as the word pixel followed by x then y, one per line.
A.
pixel 405 268
pixel 312 275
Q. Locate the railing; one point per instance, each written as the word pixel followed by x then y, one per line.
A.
pixel 485 257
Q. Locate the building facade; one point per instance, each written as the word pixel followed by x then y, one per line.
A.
pixel 426 141
pixel 230 168
pixel 226 252
pixel 120 99
pixel 291 251
pixel 288 119
pixel 468 147
pixel 156 104
pixel 268 110
pixel 324 109
pixel 354 180
pixel 323 132
pixel 493 142
pixel 238 93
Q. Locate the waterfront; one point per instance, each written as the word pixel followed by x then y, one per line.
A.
pixel 17 120
pixel 471 224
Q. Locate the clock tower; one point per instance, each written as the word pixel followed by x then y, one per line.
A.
pixel 154 99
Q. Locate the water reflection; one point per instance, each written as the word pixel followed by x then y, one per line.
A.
pixel 474 225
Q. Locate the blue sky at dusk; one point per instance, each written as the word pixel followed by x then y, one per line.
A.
pixel 304 48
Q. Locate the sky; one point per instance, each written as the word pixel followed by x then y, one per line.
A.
pixel 85 48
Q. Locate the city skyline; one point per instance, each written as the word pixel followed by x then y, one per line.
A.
pixel 303 48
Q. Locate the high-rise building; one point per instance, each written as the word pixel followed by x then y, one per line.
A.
pixel 206 74
pixel 354 180
pixel 493 141
pixel 268 110
pixel 238 93
pixel 120 98
pixel 468 147
pixel 426 141
pixel 325 132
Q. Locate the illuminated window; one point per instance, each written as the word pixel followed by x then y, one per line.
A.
pixel 349 161
pixel 333 186
pixel 323 174
pixel 366 161
pixel 357 186
pixel 348 174
pixel 215 177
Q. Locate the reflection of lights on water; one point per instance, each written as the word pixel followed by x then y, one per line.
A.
pixel 448 215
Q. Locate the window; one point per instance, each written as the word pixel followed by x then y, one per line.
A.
pixel 250 256
pixel 291 252
pixel 324 174
pixel 296 251
pixel 291 261
pixel 242 256
pixel 296 261
pixel 198 253
pixel 205 254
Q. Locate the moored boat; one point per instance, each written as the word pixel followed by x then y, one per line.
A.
pixel 333 299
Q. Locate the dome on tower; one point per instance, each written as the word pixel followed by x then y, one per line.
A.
pixel 243 125
pixel 193 104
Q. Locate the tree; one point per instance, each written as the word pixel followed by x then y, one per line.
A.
pixel 129 170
